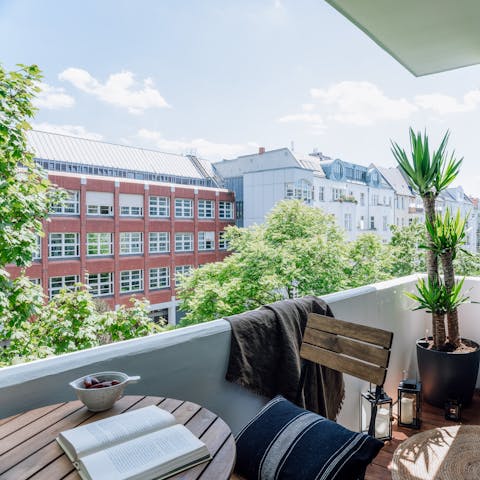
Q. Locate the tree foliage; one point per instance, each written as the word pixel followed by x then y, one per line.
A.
pixel 25 197
pixel 73 321
pixel 300 251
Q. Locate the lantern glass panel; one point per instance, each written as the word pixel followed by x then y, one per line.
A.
pixel 383 422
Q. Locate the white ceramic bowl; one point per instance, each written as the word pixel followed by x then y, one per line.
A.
pixel 100 399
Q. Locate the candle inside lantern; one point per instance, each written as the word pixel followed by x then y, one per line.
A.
pixel 406 410
pixel 382 423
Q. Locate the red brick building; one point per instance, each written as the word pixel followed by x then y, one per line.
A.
pixel 127 236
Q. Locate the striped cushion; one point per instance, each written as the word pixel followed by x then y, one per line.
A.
pixel 286 442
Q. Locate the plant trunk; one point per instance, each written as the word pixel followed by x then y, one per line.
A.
pixel 438 320
pixel 440 334
pixel 449 279
pixel 432 259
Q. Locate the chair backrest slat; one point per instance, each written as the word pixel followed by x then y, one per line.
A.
pixel 357 350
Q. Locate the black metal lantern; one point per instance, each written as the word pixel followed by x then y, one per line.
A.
pixel 376 414
pixel 453 410
pixel 409 403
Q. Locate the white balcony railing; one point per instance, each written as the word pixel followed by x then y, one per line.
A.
pixel 190 363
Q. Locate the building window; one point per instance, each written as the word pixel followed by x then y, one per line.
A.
pixel 100 284
pixel 348 222
pixel 206 240
pixel 100 203
pixel 131 243
pixel 131 205
pixel 222 241
pixel 385 223
pixel 159 242
pixel 100 210
pixel 321 194
pixel 99 244
pixel 362 199
pixel 62 245
pixel 68 206
pixel 159 207
pixel 181 270
pixel 131 281
pixel 56 284
pixel 374 199
pixel 183 208
pixel 225 210
pixel 337 170
pixel 131 211
pixel 338 194
pixel 372 223
pixel 299 190
pixel 206 209
pixel 37 253
pixel 361 223
pixel 183 242
pixel 159 277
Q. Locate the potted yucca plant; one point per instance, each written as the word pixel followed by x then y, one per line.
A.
pixel 444 373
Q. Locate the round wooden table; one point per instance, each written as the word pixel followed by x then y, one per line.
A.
pixel 28 448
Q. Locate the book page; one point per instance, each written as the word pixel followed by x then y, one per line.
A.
pixel 113 430
pixel 150 456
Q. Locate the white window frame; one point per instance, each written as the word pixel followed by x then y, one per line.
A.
pixel 131 211
pixel 372 222
pixel 206 241
pixel 222 241
pixel 66 249
pixel 66 282
pixel 184 242
pixel 348 222
pixel 159 242
pixel 181 270
pixel 206 209
pixel 183 208
pixel 101 284
pixel 37 253
pixel 101 241
pixel 131 243
pixel 321 194
pixel 159 277
pixel 385 223
pixel 68 206
pixel 159 207
pixel 100 210
pixel 131 281
pixel 225 210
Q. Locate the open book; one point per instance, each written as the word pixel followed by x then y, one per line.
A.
pixel 139 445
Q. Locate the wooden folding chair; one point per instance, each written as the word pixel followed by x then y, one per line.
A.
pixel 357 350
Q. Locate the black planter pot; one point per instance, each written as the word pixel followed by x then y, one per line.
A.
pixel 446 375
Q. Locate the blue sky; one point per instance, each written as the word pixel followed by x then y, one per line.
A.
pixel 224 77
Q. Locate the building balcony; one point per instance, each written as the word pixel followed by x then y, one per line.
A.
pixel 190 363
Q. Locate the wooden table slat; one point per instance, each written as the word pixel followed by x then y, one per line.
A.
pixel 39 457
pixel 26 467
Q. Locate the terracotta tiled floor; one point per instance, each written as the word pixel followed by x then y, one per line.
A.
pixel 432 417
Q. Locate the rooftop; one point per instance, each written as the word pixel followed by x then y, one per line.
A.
pixel 85 152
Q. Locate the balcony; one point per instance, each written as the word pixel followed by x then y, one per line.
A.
pixel 190 363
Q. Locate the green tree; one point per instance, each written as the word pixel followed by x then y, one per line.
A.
pixel 73 321
pixel 370 261
pixel 25 197
pixel 407 257
pixel 298 249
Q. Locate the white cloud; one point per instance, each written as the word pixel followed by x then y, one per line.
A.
pixel 445 104
pixel 73 130
pixel 120 89
pixel 302 117
pixel 308 107
pixel 200 146
pixel 361 103
pixel 53 97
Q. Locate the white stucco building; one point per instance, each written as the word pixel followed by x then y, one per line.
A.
pixel 362 199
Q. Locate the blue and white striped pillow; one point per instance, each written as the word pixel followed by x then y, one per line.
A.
pixel 286 442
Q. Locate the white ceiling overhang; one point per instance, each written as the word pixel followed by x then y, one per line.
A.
pixel 425 36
